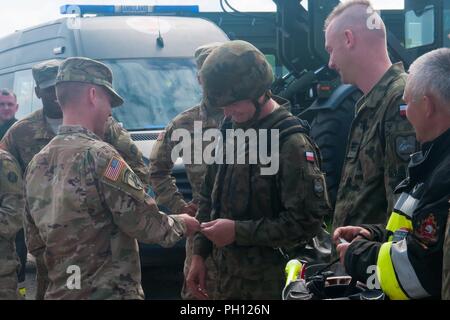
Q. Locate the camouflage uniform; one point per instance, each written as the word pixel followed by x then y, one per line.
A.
pixel 281 210
pixel 381 140
pixel 270 211
pixel 11 209
pixel 86 208
pixel 79 214
pixel 30 135
pixel 163 183
pixel 161 165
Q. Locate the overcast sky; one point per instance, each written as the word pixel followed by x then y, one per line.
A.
pixel 20 14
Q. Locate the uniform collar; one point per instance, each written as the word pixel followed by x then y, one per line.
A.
pixel 372 99
pixel 430 155
pixel 272 118
pixel 441 142
pixel 277 115
pixel 69 130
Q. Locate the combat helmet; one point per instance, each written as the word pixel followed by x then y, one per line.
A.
pixel 233 72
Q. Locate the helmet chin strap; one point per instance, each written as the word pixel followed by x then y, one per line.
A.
pixel 258 107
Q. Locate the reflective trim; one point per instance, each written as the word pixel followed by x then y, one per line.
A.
pixel 405 271
pixel 406 204
pixel 386 274
pixel 398 221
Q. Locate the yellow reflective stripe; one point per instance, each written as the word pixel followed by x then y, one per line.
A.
pixel 398 221
pixel 23 292
pixel 386 274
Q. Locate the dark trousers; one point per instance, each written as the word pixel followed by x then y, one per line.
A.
pixel 21 249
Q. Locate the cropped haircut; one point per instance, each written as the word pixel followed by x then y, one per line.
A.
pixel 430 74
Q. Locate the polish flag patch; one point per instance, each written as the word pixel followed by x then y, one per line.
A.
pixel 310 156
pixel 403 108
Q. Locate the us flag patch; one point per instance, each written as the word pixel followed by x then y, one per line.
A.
pixel 310 156
pixel 114 169
pixel 403 108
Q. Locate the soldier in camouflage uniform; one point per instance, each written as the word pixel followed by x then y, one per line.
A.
pixel 161 165
pixel 246 216
pixel 29 136
pixel 11 217
pixel 381 138
pixel 86 205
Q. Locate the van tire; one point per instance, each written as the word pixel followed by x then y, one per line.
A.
pixel 330 129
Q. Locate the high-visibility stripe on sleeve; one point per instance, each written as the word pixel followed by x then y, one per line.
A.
pixel 401 216
pixel 405 272
pixel 396 273
pixel 396 222
pixel 386 274
pixel 406 204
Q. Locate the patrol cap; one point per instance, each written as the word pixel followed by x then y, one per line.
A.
pixel 204 51
pixel 44 73
pixel 79 69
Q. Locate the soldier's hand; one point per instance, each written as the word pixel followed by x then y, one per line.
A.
pixel 221 232
pixel 342 250
pixel 349 234
pixel 190 209
pixel 192 224
pixel 196 278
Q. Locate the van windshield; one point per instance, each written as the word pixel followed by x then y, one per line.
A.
pixel 154 90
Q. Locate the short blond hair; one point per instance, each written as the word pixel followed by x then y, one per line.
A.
pixel 71 92
pixel 343 6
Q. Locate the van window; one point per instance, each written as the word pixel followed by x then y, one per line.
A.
pixel 24 89
pixel 419 27
pixel 447 24
pixel 154 90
